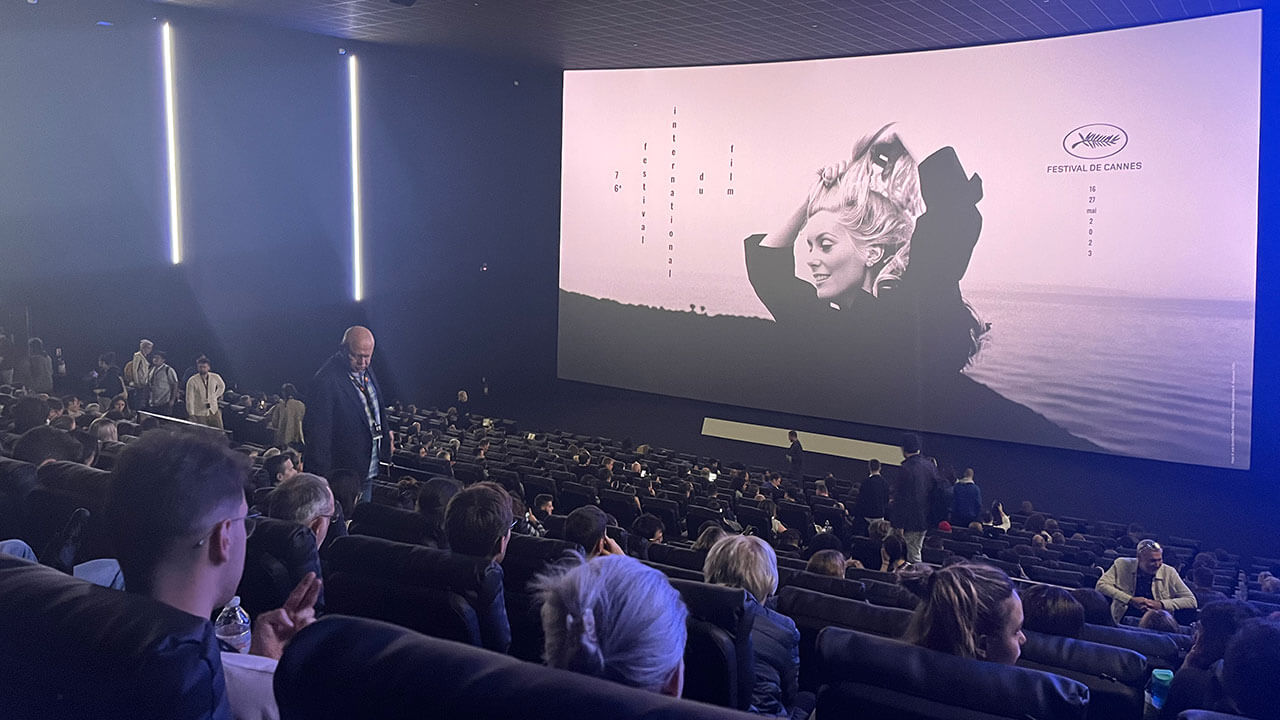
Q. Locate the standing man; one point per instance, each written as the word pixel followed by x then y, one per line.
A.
pixel 204 390
pixel 137 375
pixel 163 385
pixel 795 455
pixel 344 425
pixel 909 511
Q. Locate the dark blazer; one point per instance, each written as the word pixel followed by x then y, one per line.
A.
pixel 873 498
pixel 910 509
pixel 335 426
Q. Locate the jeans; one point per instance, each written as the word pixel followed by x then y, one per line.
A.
pixel 915 541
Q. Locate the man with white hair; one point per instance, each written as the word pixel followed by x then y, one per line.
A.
pixel 344 425
pixel 305 499
pixel 1144 583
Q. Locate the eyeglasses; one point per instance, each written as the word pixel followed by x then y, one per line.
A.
pixel 250 522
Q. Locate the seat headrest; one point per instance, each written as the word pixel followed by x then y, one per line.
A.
pixel 1088 658
pixel 413 565
pixel 401 674
pixel 76 650
pixel 972 684
pixel 16 477
pixel 814 608
pixel 828 585
pixel 391 523
pixel 725 607
pixel 528 556
pixel 87 485
pixel 1155 646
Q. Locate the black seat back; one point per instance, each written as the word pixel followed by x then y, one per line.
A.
pixel 76 650
pixel 528 557
pixel 678 556
pixel 1115 676
pixel 812 611
pixel 393 523
pixel 874 677
pixel 719 662
pixel 1160 649
pixel 17 478
pixel 402 675
pixel 61 487
pixel 668 511
pixel 827 585
pixel 412 585
pixel 622 506
pixel 671 571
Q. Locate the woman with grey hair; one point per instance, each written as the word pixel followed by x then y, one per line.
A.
pixel 615 618
pixel 747 562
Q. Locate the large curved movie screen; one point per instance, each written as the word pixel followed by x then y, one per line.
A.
pixel 1050 242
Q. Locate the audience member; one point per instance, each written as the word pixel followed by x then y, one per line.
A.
pixel 998 517
pixel 204 390
pixel 104 430
pixel 36 369
pixel 795 455
pixel 525 523
pixel 477 521
pixel 893 553
pixel 343 425
pixel 178 520
pixel 827 562
pixel 137 376
pixel 1158 620
pixel 614 618
pixel 107 380
pixel 29 412
pixel 1097 607
pixel 345 485
pixel 43 444
pixel 586 526
pixel 873 495
pixel 910 506
pixel 649 527
pixel 747 562
pixel 286 416
pixel 1202 586
pixel 120 409
pixel 966 500
pixel 708 536
pixel 305 499
pixel 970 610
pixel 278 468
pixel 543 506
pixel 1052 610
pixel 162 385
pixel 1136 585
pixel 1250 667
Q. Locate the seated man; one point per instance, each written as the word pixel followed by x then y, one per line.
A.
pixel 44 444
pixel 586 527
pixel 178 521
pixel 1136 585
pixel 478 521
pixel 543 505
pixel 304 499
pixel 278 468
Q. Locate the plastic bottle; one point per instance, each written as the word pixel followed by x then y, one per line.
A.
pixel 232 626
pixel 1157 691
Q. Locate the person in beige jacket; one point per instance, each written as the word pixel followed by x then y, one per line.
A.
pixel 1145 583
pixel 286 416
pixel 204 390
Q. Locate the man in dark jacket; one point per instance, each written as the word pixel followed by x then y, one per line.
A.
pixel 966 500
pixel 344 424
pixel 873 496
pixel 909 509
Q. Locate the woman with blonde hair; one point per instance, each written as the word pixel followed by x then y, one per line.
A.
pixel 970 610
pixel 747 562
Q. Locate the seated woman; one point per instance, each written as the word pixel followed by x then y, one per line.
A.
pixel 615 618
pixel 970 610
pixel 893 554
pixel 747 562
pixel 1053 610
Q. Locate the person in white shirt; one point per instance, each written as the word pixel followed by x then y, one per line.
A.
pixel 204 390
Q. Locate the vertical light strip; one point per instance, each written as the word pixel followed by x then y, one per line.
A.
pixel 357 233
pixel 171 137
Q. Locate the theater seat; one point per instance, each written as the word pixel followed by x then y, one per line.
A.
pixel 1207 715
pixel 1115 676
pixel 840 587
pixel 342 668
pixel 17 478
pixel 678 556
pixel 812 611
pixel 61 487
pixel 528 557
pixel 420 588
pixel 1160 649
pixel 276 557
pixel 391 523
pixel 74 650
pixel 872 678
pixel 718 658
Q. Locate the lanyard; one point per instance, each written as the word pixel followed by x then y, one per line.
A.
pixel 362 385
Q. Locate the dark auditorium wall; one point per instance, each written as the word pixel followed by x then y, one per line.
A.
pixel 460 169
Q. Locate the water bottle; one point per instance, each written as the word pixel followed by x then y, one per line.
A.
pixel 1242 586
pixel 232 626
pixel 1157 691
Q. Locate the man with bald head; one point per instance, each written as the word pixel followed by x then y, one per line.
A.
pixel 344 426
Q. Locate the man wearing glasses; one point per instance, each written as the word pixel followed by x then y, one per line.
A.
pixel 305 499
pixel 1136 585
pixel 344 424
pixel 178 521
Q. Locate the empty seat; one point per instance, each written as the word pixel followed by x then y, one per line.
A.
pixel 76 650
pixel 528 557
pixel 871 678
pixel 399 674
pixel 60 488
pixel 456 597
pixel 622 506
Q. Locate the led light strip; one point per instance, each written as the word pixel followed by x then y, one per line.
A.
pixel 171 138
pixel 357 233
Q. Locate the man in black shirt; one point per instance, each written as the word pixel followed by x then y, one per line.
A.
pixel 873 497
pixel 795 455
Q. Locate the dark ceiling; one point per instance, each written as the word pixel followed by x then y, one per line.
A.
pixel 638 33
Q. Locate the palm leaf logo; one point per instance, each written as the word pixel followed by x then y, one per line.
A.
pixel 1095 140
